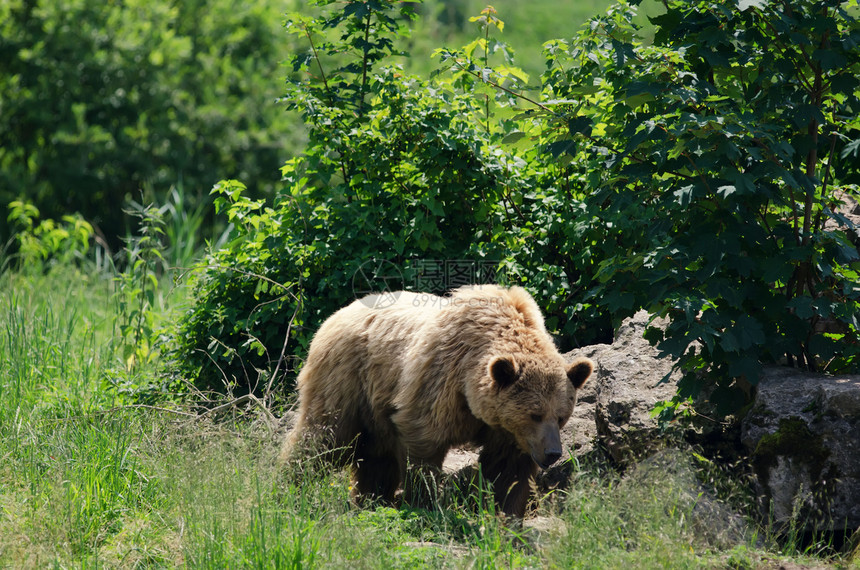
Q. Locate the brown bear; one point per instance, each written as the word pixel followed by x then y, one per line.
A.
pixel 407 380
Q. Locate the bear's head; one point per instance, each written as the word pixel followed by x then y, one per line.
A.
pixel 535 398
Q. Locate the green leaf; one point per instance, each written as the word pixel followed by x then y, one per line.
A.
pixel 513 137
pixel 729 342
pixel 507 70
pixel 560 147
pixel 580 124
pixel 802 307
pixel 747 367
pixel 829 59
pixel 804 114
pixel 749 332
pixel 725 191
pixel 743 182
pixel 850 149
pixel 684 195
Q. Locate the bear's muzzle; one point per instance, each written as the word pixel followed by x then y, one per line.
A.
pixel 548 450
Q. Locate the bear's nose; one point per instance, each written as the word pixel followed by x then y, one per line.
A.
pixel 550 457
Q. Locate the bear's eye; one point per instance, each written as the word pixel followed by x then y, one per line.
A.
pixel 537 417
pixel 560 422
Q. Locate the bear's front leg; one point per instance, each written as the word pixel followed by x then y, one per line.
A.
pixel 421 486
pixel 511 472
pixel 377 470
pixel 375 479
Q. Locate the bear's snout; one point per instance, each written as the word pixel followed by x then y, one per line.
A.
pixel 548 450
pixel 550 457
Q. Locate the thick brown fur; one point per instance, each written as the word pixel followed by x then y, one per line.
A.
pixel 407 382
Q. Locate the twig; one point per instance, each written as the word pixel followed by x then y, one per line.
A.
pixel 228 405
pixel 284 346
pixel 319 64
pixel 126 407
pixel 506 90
pixel 270 419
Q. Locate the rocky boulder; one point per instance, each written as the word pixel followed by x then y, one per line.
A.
pixel 580 432
pixel 627 385
pixel 803 438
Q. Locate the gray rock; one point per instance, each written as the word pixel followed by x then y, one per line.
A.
pixel 580 432
pixel 538 530
pixel 803 437
pixel 458 459
pixel 628 384
pixel 849 211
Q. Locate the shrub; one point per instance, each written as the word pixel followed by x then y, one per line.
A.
pixel 99 100
pixel 395 171
pixel 41 243
pixel 716 163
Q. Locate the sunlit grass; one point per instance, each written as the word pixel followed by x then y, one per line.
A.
pixel 527 26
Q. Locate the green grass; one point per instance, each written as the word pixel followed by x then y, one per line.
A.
pixel 527 26
pixel 91 478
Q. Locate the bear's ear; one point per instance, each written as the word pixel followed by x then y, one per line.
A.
pixel 504 371
pixel 578 371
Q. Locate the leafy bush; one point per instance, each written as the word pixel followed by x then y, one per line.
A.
pixel 99 100
pixel 717 162
pixel 41 243
pixel 395 171
pixel 553 246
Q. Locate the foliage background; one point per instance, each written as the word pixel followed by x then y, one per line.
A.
pixel 698 174
pixel 102 103
pixel 577 177
pixel 106 102
pixel 719 160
